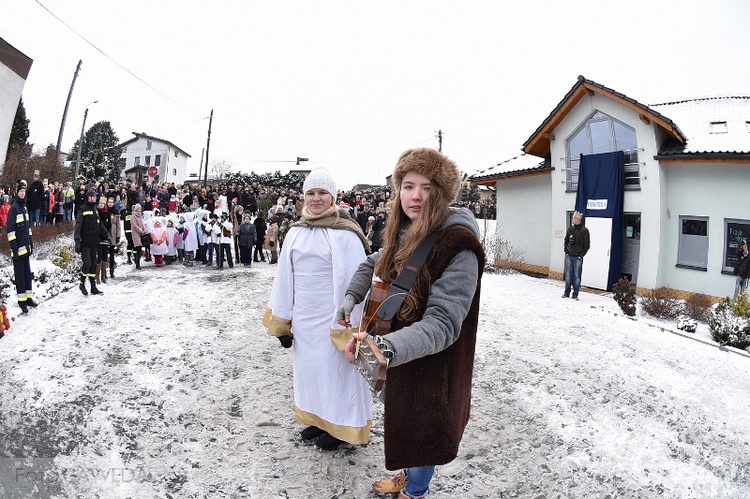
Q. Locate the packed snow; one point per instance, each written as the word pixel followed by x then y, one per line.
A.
pixel 167 385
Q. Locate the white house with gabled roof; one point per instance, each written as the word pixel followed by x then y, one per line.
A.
pixel 681 185
pixel 143 152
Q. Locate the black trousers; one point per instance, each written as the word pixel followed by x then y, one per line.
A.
pixel 89 256
pixel 23 277
pixel 225 249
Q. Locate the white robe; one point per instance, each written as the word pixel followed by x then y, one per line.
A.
pixel 314 272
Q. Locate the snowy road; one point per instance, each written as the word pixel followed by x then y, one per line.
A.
pixel 168 386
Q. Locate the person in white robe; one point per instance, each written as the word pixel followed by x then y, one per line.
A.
pixel 321 253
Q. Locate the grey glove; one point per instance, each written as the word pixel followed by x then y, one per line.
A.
pixel 346 307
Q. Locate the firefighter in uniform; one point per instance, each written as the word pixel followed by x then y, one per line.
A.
pixel 89 233
pixel 21 247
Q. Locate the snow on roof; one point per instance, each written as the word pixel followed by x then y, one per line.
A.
pixel 517 164
pixel 711 124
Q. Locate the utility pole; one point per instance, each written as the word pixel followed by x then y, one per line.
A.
pixel 440 140
pixel 208 144
pixel 65 112
pixel 200 169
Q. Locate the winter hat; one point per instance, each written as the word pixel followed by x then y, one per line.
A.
pixel 441 170
pixel 137 207
pixel 246 216
pixel 320 178
pixel 89 193
pixel 20 185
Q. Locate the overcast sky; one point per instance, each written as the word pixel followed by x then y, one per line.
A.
pixel 351 84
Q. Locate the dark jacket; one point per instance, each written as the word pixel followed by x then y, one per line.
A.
pixel 260 228
pixel 35 195
pixel 743 266
pixel 577 241
pixel 89 230
pixel 19 230
pixel 377 231
pixel 247 234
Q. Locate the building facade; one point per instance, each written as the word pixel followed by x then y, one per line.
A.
pixel 145 154
pixel 14 69
pixel 664 188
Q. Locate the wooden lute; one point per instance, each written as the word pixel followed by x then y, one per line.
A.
pixel 368 358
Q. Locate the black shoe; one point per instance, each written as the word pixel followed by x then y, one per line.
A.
pixel 311 432
pixel 24 308
pixel 82 287
pixel 31 303
pixel 328 442
pixel 2 334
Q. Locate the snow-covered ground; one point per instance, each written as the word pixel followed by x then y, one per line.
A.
pixel 168 386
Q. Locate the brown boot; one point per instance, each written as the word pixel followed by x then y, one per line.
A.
pixel 103 271
pixel 390 485
pixel 98 273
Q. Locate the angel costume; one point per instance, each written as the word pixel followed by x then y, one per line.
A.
pixel 321 253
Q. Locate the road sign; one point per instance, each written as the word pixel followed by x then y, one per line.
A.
pixel 153 171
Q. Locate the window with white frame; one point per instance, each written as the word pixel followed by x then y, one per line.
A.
pixel 148 145
pixel 157 160
pixel 599 134
pixel 137 161
pixel 148 160
pixel 692 251
pixel 174 171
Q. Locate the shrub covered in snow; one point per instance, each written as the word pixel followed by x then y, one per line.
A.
pixel 660 304
pixel 730 322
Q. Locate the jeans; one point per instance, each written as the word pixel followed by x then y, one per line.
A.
pixel 740 286
pixel 418 481
pixel 34 215
pixel 573 268
pixel 210 253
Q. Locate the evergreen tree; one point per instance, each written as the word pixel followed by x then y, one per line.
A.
pixel 19 133
pixel 469 193
pixel 100 154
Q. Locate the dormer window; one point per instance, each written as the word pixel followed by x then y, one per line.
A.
pixel 718 127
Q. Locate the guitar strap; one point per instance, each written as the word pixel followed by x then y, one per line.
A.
pixel 404 280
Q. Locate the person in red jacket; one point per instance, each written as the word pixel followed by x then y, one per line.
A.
pixel 4 209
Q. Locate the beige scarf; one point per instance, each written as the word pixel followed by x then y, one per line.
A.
pixel 332 218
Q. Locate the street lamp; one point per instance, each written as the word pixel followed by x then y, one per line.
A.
pixel 80 141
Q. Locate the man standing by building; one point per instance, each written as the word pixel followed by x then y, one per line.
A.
pixel 576 245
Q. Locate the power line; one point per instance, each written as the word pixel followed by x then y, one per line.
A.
pixel 114 61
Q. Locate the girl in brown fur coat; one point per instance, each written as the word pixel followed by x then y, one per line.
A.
pixel 431 343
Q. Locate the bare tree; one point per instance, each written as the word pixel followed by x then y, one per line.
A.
pixel 221 168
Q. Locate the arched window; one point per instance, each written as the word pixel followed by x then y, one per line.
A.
pixel 599 134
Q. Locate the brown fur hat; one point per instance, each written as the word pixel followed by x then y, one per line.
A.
pixel 436 166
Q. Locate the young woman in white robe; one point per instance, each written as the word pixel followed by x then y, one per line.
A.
pixel 321 253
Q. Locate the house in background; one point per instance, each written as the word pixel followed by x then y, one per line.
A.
pixel 664 188
pixel 144 151
pixel 14 69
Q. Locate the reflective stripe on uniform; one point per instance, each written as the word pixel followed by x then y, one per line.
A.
pixel 19 218
pixel 11 235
